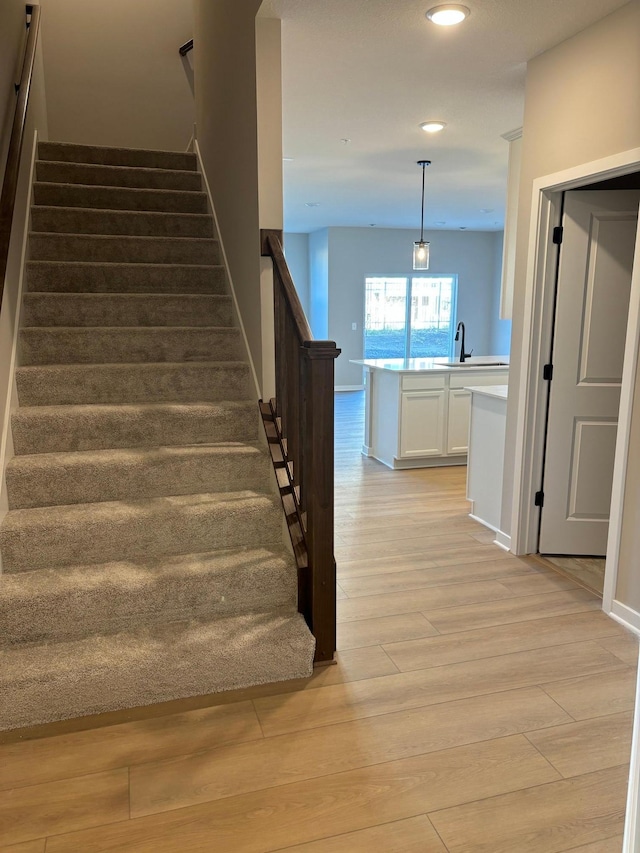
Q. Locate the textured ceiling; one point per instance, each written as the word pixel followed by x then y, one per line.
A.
pixel 372 70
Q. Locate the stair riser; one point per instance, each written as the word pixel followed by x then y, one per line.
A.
pixel 113 176
pixel 116 602
pixel 64 220
pixel 96 480
pixel 127 345
pixel 61 276
pixel 141 532
pixel 45 430
pixel 127 383
pixel 77 309
pixel 119 198
pixel 130 250
pixel 67 153
pixel 145 668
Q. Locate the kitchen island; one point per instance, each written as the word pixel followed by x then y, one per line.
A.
pixel 417 410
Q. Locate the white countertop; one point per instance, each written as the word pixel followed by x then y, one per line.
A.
pixel 498 391
pixel 423 365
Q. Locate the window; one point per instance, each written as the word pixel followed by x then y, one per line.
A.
pixel 409 316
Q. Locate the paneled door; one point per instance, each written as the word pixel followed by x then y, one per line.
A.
pixel 594 282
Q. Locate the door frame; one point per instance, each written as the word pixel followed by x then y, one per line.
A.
pixel 546 209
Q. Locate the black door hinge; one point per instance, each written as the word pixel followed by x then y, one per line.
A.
pixel 539 499
pixel 557 234
pixel 547 372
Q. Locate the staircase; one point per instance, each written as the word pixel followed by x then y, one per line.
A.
pixel 142 554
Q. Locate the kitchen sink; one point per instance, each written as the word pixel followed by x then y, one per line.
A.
pixel 473 363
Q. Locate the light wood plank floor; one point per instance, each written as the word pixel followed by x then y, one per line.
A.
pixel 481 704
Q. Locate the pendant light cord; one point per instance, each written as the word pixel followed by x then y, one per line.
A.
pixel 422 211
pixel 424 164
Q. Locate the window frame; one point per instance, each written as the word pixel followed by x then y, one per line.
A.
pixel 409 277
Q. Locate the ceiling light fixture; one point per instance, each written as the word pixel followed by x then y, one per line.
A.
pixel 448 16
pixel 433 126
pixel 421 248
pixel 312 204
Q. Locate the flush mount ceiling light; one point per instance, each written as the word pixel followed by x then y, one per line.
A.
pixel 448 15
pixel 312 204
pixel 421 247
pixel 433 126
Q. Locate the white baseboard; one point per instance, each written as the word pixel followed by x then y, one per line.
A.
pixel 236 308
pixel 502 540
pixel 349 388
pixel 627 617
pixel 631 840
pixel 6 439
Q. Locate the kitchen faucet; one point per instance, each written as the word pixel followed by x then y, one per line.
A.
pixel 463 355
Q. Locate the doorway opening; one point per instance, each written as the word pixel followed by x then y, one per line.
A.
pixel 618 172
pixel 596 246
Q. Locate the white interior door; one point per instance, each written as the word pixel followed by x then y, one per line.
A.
pixel 594 282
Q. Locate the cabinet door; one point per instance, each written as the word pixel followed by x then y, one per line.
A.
pixel 458 429
pixel 422 428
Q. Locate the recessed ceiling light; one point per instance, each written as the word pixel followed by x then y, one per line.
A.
pixel 287 159
pixel 486 210
pixel 345 140
pixel 441 222
pixel 312 204
pixel 447 16
pixel 433 126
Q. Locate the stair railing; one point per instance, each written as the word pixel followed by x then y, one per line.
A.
pixel 12 166
pixel 299 427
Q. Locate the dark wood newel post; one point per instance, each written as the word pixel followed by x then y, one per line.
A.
pixel 300 422
pixel 318 384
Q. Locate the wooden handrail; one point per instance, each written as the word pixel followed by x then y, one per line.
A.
pixel 299 427
pixel 12 166
pixel 186 47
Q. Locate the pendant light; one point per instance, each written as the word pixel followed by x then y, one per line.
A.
pixel 421 248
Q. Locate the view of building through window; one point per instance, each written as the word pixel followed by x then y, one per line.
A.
pixel 409 316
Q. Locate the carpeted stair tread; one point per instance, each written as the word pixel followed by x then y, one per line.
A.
pixel 67 152
pixel 184 382
pixel 50 429
pixel 54 604
pixel 126 309
pixel 117 176
pixel 151 664
pixel 119 198
pixel 117 530
pixel 82 220
pixel 106 345
pixel 93 476
pixel 45 246
pixel 105 277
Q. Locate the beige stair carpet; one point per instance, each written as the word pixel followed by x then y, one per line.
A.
pixel 142 554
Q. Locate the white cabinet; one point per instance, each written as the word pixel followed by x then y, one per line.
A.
pixel 422 423
pixel 458 426
pixel 419 418
pixel 486 454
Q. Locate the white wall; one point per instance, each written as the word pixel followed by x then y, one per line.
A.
pixel 354 253
pixel 114 74
pixel 500 329
pixel 296 250
pixel 12 36
pixel 319 284
pixel 227 131
pixel 36 123
pixel 581 104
